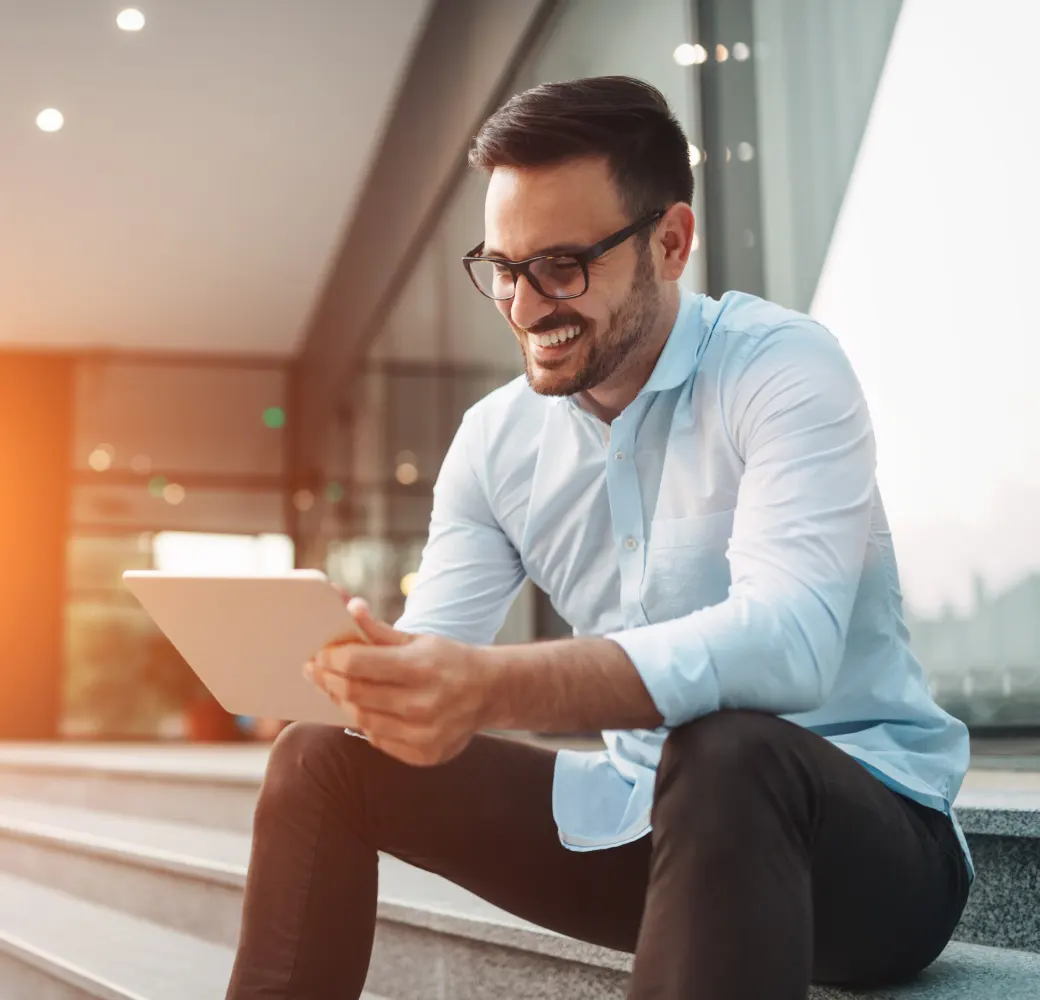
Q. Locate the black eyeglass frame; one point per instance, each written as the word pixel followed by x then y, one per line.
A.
pixel 582 257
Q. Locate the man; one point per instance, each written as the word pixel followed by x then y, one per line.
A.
pixel 692 482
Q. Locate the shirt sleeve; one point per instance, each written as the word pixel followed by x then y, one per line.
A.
pixel 798 419
pixel 469 573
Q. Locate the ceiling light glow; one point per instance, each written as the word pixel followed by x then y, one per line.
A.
pixel 50 120
pixel 130 19
pixel 685 54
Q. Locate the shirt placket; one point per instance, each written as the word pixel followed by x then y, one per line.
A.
pixel 626 511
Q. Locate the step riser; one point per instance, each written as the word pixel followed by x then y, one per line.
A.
pixel 213 805
pixel 1002 910
pixel 410 963
pixel 436 958
pixel 999 912
pixel 207 909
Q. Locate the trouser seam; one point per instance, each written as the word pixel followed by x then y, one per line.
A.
pixel 305 891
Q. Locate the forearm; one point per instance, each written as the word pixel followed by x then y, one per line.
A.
pixel 568 685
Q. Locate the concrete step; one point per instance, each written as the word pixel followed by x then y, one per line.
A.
pixel 213 786
pixel 1000 814
pixel 188 877
pixel 54 946
pixel 216 787
pixel 182 884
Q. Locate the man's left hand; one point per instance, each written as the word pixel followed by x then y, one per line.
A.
pixel 419 698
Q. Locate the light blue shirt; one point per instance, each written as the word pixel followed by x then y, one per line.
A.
pixel 725 529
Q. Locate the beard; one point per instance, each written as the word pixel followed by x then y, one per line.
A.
pixel 606 354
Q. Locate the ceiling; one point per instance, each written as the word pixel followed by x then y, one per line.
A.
pixel 206 171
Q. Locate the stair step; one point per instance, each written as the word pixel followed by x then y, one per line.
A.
pixel 54 946
pixel 95 951
pixel 211 786
pixel 183 875
pixel 188 812
pixel 176 887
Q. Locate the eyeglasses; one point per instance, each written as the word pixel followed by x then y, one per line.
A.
pixel 556 276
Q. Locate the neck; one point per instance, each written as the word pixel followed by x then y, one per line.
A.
pixel 609 398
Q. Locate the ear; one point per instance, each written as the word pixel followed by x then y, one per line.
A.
pixel 674 235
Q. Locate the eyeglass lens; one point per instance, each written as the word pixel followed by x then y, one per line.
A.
pixel 556 277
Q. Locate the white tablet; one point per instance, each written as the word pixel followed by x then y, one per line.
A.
pixel 248 637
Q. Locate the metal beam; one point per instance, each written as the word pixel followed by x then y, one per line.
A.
pixel 467 55
pixel 732 197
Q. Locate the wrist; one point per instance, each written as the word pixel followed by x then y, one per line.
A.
pixel 490 671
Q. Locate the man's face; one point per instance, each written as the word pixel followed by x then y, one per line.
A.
pixel 572 205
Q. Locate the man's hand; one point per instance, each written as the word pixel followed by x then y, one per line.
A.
pixel 419 698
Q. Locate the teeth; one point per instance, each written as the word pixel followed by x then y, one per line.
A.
pixel 556 337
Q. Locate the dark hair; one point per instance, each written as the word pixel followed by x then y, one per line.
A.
pixel 626 120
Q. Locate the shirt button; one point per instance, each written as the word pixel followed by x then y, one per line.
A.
pixel 619 455
pixel 631 544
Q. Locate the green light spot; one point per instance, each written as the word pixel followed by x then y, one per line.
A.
pixel 274 417
pixel 334 492
pixel 156 485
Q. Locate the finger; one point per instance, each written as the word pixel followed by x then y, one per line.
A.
pixel 329 682
pixel 418 755
pixel 378 664
pixel 389 699
pixel 378 631
pixel 379 725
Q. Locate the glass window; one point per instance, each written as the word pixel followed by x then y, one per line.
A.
pixel 900 206
pixel 443 346
pixel 123 678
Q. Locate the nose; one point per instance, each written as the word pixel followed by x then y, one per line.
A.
pixel 528 306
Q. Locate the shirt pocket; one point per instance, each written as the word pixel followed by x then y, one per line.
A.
pixel 686 565
pixel 698 531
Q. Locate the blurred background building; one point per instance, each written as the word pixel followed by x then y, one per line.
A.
pixel 235 332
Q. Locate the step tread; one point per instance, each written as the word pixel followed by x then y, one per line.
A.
pixel 118 957
pixel 217 763
pixel 413 896
pixel 991 801
pixel 227 853
pixel 962 972
pixel 138 958
pixel 214 764
pixel 93 943
pixel 186 840
pixel 113 955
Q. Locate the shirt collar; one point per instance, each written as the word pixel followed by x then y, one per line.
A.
pixel 682 350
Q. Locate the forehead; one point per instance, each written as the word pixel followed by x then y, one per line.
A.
pixel 529 209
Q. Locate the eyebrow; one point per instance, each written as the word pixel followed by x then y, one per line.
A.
pixel 555 249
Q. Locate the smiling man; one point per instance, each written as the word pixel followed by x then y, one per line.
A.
pixel 692 482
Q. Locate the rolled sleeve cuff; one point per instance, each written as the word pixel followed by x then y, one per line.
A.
pixel 676 667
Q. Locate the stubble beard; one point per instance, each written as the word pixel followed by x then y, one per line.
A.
pixel 604 357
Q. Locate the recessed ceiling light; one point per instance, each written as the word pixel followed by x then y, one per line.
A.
pixel 690 55
pixel 50 120
pixel 130 19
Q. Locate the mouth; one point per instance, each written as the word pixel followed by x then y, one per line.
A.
pixel 555 343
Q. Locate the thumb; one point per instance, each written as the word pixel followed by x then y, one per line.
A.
pixel 379 632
